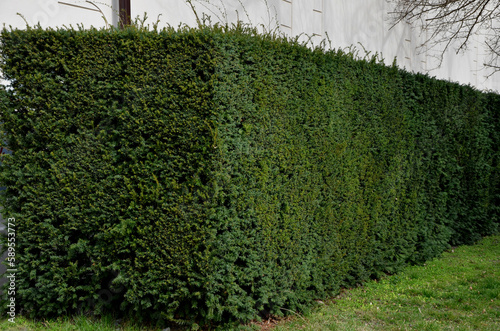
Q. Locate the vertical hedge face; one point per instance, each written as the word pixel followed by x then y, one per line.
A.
pixel 313 172
pixel 212 175
pixel 493 111
pixel 453 130
pixel 111 132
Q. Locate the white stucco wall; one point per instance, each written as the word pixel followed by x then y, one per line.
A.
pixel 364 23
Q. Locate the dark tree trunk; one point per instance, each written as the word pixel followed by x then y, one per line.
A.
pixel 124 13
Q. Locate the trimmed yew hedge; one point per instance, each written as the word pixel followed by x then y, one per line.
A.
pixel 212 175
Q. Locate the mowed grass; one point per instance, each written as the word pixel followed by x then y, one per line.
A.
pixel 79 323
pixel 458 291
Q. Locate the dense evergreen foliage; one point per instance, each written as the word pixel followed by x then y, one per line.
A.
pixel 212 175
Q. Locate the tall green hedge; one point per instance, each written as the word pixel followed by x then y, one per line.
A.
pixel 212 175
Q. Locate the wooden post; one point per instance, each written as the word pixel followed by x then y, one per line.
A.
pixel 124 13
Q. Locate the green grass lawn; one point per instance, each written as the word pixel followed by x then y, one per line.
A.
pixel 458 291
pixel 80 323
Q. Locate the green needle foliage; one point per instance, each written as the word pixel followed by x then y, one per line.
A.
pixel 210 175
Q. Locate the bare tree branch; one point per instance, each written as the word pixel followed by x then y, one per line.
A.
pixel 454 22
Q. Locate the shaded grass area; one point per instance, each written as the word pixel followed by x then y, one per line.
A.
pixel 458 291
pixel 80 323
